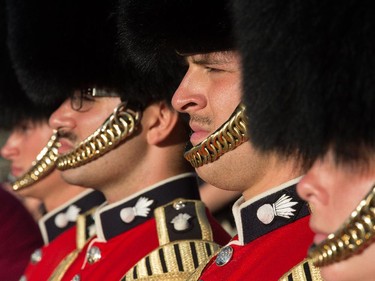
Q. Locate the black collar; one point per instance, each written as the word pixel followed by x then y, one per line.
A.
pixel 61 219
pixel 269 212
pixel 114 219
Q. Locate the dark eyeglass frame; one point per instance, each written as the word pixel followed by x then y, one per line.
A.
pixel 88 94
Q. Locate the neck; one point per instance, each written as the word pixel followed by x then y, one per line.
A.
pixel 61 195
pixel 278 171
pixel 157 166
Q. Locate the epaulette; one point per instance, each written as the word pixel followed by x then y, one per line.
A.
pixel 304 271
pixel 185 239
pixel 85 231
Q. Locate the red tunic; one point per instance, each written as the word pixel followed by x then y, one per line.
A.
pixel 59 239
pixel 124 239
pixel 272 239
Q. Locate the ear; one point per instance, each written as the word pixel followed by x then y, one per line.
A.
pixel 162 124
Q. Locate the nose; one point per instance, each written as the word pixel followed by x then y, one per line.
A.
pixel 11 147
pixel 312 186
pixel 62 118
pixel 191 93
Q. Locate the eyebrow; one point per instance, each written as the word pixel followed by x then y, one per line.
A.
pixel 216 58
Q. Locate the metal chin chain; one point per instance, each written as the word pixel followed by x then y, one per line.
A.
pixel 229 136
pixel 44 164
pixel 357 232
pixel 120 125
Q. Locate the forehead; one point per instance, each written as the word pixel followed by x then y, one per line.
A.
pixel 31 123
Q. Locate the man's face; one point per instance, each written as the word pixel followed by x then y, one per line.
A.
pixel 23 145
pixel 333 192
pixel 209 93
pixel 75 125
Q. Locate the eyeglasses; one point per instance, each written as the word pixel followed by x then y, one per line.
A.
pixel 84 99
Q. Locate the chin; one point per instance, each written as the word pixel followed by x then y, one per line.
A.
pixel 336 272
pixel 215 174
pixel 353 269
pixel 72 176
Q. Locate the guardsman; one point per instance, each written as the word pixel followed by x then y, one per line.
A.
pixel 19 233
pixel 322 58
pixel 120 135
pixel 32 153
pixel 32 175
pixel 271 219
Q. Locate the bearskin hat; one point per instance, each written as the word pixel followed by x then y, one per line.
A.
pixel 152 30
pixel 308 75
pixel 59 46
pixel 63 45
pixel 15 106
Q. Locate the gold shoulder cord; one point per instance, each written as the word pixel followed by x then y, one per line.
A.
pixel 304 271
pixel 43 165
pixel 357 232
pixel 120 125
pixel 229 136
pixel 179 261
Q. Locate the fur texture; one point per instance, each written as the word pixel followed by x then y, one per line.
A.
pixel 308 75
pixel 64 45
pixel 155 29
pixel 15 106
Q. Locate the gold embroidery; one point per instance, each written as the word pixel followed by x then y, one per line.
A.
pixel 301 273
pixel 173 261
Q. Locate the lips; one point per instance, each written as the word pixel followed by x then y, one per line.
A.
pixel 16 171
pixel 319 235
pixel 65 146
pixel 199 134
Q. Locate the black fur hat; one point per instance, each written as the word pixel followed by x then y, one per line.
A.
pixel 15 106
pixel 62 45
pixel 309 68
pixel 154 29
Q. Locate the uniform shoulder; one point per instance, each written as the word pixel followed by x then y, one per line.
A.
pixel 183 219
pixel 185 242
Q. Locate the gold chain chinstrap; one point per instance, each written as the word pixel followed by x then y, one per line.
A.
pixel 121 124
pixel 229 136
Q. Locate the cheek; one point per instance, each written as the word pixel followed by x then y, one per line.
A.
pixel 345 201
pixel 86 126
pixel 223 109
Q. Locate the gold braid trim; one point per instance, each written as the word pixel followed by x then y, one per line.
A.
pixel 357 232
pixel 176 260
pixel 195 276
pixel 43 165
pixel 179 261
pixel 229 136
pixel 120 125
pixel 303 271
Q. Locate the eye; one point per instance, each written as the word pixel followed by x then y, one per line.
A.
pixel 24 127
pixel 213 69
